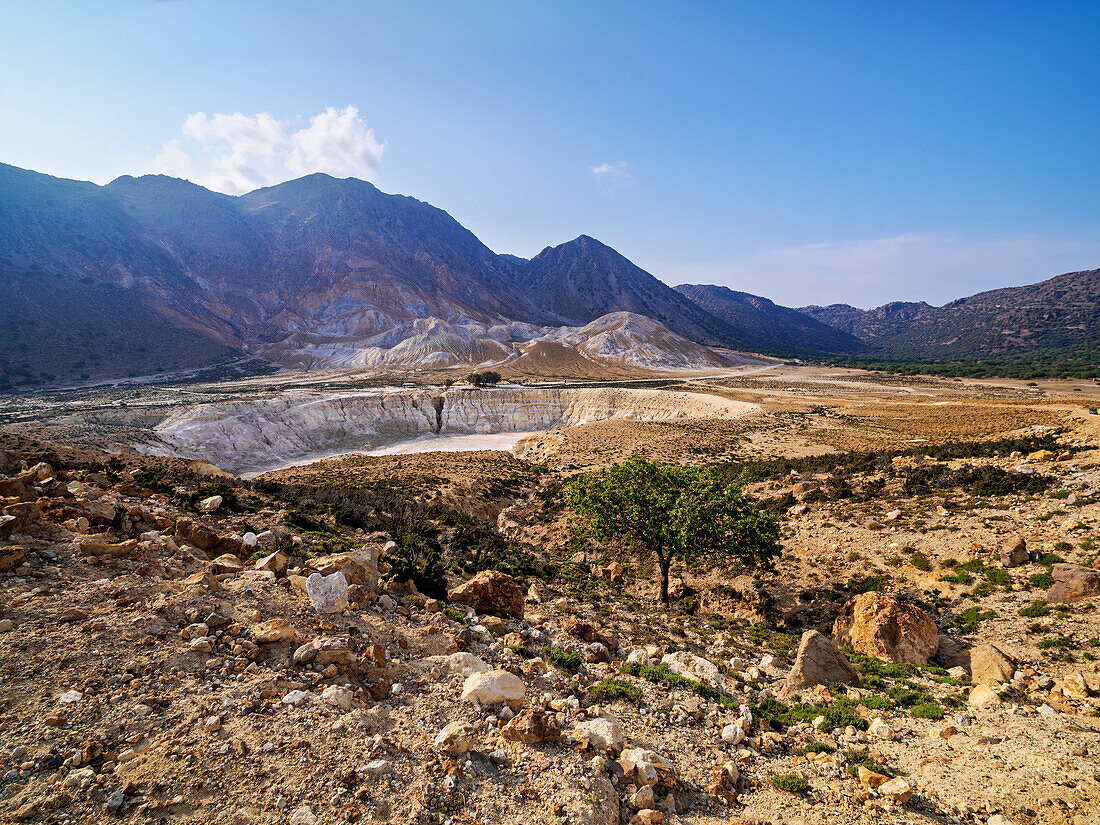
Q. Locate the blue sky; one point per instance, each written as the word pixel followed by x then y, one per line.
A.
pixel 810 152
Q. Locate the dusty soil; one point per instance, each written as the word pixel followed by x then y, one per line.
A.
pixel 183 715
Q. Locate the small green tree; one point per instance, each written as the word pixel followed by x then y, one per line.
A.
pixel 480 379
pixel 669 512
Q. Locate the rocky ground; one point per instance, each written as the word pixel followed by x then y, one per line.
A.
pixel 177 644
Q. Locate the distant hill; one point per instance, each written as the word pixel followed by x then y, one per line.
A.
pixel 584 279
pixel 767 327
pixel 1052 327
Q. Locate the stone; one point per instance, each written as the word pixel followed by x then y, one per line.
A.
pixel 820 662
pixel 273 631
pixel 604 733
pixel 869 778
pixel 880 730
pixel 329 594
pixel 212 724
pixel 337 696
pixel 694 667
pixel 227 563
pixel 982 695
pixel 358 566
pixel 12 558
pixel 494 687
pixel 70 697
pixel 643 798
pixel 454 738
pixel 648 816
pixel 1080 685
pixel 990 666
pixel 465 664
pixel 209 505
pixel 1041 455
pixel 881 625
pixel 897 790
pixel 732 734
pixel 490 591
pixel 530 726
pixel 1014 552
pixel 8 525
pixel 295 697
pixel 303 816
pixel 273 562
pixel 1072 583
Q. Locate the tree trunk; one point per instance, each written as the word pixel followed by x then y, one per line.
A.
pixel 665 565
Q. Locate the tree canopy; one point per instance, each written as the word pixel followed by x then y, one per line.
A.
pixel 670 512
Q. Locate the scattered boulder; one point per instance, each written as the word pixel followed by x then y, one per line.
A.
pixel 604 733
pixel 8 524
pixel 982 695
pixel 494 687
pixel 209 505
pixel 337 696
pixel 454 738
pixel 227 563
pixel 990 666
pixel 1014 552
pixel 273 631
pixel 820 662
pixel 273 563
pixel 329 594
pixel 694 667
pixel 897 790
pixel 490 591
pixel 881 625
pixel 358 566
pixel 530 726
pixel 1072 583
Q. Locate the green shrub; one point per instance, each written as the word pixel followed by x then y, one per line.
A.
pixel 819 747
pixel 611 689
pixel 565 659
pixel 927 710
pixel 790 782
pixel 1036 609
pixel 921 561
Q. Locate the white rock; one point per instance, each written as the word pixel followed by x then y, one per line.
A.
pixel 250 540
pixel 80 778
pixel 329 594
pixel 732 734
pixel 694 667
pixel 337 696
pixel 638 656
pixel 209 505
pixel 454 738
pixel 70 697
pixel 880 730
pixel 493 687
pixel 376 767
pixel 295 697
pixel 465 664
pixel 605 733
pixel 304 816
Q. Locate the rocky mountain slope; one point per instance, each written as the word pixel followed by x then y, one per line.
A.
pixel 584 279
pixel 768 327
pixel 1055 322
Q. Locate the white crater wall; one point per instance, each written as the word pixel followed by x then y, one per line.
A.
pixel 261 434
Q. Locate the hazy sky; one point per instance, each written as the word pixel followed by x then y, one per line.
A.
pixel 811 152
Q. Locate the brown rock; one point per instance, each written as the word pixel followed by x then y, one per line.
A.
pixel 990 666
pixel 820 662
pixel 358 566
pixel 881 625
pixel 273 631
pixel 490 591
pixel 227 563
pixel 530 726
pixel 202 537
pixel 871 779
pixel 11 558
pixel 1072 583
pixel 8 525
pixel 274 563
pixel 1014 552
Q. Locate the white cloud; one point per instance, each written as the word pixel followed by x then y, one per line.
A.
pixel 610 176
pixel 913 267
pixel 235 153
